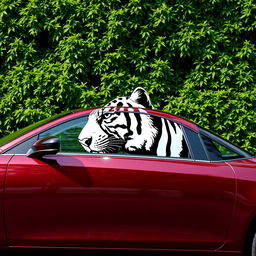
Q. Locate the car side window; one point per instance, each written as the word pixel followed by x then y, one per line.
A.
pixel 133 133
pixel 23 147
pixel 118 132
pixel 68 133
pixel 217 151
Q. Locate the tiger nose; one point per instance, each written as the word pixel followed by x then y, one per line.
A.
pixel 87 141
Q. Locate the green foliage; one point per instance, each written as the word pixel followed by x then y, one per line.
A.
pixel 196 58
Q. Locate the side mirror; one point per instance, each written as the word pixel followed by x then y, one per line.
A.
pixel 46 146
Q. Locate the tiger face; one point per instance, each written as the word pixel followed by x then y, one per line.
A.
pixel 95 139
pixel 108 131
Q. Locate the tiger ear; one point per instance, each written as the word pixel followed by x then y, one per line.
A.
pixel 140 96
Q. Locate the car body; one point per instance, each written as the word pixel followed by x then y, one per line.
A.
pixel 203 202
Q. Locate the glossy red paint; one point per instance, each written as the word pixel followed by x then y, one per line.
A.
pixel 4 160
pixel 126 202
pixel 138 202
pixel 245 210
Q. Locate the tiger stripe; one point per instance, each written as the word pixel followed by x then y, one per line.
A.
pixel 134 131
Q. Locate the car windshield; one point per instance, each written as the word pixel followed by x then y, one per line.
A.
pixel 31 127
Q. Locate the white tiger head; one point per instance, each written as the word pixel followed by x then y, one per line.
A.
pixel 107 131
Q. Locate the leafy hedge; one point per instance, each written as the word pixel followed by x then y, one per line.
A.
pixel 196 58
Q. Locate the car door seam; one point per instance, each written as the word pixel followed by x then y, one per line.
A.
pixel 233 212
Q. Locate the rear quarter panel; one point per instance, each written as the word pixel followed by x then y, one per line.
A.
pixel 245 208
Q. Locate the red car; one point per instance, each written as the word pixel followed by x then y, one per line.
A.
pixel 121 177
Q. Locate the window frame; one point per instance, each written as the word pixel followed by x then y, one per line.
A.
pixel 184 128
pixel 112 154
pixel 130 155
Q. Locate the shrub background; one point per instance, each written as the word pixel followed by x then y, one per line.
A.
pixel 196 59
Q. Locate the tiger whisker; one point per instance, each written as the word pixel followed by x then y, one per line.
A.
pixel 107 143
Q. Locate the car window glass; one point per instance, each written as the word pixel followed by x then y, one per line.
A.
pixel 212 150
pixel 68 133
pixel 23 147
pixel 217 151
pixel 133 133
pixel 121 133
pixel 226 153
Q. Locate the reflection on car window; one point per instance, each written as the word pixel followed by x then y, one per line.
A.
pixel 226 153
pixel 68 134
pixel 216 151
pixel 31 127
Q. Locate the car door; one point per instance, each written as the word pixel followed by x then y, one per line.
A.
pixel 116 201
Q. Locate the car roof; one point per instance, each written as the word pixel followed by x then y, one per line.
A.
pixel 77 113
pixel 175 118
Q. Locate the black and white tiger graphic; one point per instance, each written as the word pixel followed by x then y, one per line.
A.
pixel 109 131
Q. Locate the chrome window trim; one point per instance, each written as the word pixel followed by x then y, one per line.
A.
pixel 125 155
pixel 139 156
